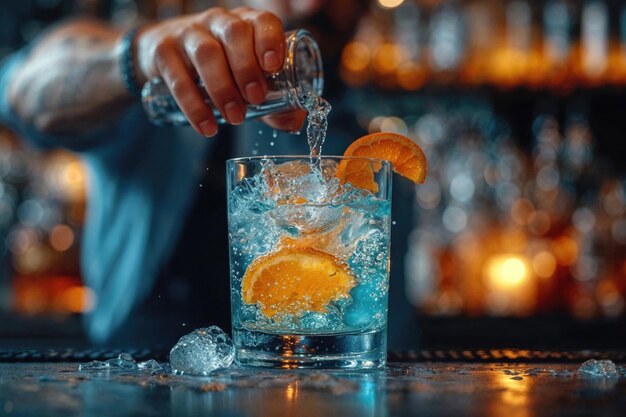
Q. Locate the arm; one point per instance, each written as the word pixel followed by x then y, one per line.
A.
pixel 71 81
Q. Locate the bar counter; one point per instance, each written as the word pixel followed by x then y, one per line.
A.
pixel 427 388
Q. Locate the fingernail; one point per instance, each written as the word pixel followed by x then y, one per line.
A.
pixel 254 93
pixel 270 61
pixel 233 113
pixel 208 128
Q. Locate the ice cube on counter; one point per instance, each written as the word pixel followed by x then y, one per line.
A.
pixel 202 351
pixel 598 368
pixel 149 365
pixel 93 366
pixel 124 361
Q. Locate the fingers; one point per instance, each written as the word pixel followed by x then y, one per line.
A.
pixel 288 121
pixel 209 59
pixel 237 39
pixel 269 39
pixel 174 71
pixel 231 52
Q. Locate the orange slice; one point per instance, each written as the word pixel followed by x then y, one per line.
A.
pixel 295 281
pixel 406 157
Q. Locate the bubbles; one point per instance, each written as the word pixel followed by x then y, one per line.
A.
pixel 303 204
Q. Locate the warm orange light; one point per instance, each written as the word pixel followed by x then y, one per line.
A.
pixel 356 57
pixel 77 299
pixel 411 76
pixel 390 4
pixel 32 300
pixel 505 271
pixel 544 264
pixel 566 250
pixel 521 211
pixel 291 392
pixel 508 66
pixel 388 57
pixel 61 237
pixel 513 392
pixel 66 175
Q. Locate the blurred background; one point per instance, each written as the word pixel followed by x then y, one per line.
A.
pixel 520 229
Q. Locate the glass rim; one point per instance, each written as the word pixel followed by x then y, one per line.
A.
pixel 321 157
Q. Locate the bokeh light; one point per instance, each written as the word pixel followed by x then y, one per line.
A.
pixel 544 264
pixel 61 237
pixel 507 270
pixel 390 4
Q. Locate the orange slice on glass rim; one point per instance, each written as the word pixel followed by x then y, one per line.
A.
pixel 406 157
pixel 296 281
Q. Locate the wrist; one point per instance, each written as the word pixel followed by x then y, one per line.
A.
pixel 128 63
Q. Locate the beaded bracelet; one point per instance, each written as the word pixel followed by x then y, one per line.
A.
pixel 129 76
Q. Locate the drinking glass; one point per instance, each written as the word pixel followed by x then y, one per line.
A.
pixel 309 261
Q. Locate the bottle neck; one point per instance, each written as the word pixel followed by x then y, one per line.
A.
pixel 304 75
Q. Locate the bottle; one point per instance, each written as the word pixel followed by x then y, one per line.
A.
pixel 295 86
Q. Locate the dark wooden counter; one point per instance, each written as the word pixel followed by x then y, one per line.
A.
pixel 403 389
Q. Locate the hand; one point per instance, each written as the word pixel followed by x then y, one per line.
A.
pixel 231 51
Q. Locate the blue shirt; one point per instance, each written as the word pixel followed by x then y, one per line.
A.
pixel 141 182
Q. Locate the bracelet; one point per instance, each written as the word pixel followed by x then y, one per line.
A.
pixel 127 63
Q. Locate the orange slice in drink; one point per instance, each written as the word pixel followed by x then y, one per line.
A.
pixel 406 157
pixel 295 281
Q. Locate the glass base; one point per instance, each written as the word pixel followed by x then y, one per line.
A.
pixel 364 350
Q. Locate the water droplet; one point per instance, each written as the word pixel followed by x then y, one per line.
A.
pixel 272 143
pixel 200 185
pixel 260 131
pixel 274 133
pixel 184 324
pixel 393 222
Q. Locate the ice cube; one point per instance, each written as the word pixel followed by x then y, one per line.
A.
pixel 93 366
pixel 281 177
pixel 296 219
pixel 202 351
pixel 149 365
pixel 322 321
pixel 598 368
pixel 123 361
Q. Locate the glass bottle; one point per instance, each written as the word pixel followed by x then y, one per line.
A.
pixel 295 86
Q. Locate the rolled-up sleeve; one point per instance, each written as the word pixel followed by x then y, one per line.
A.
pixel 94 139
